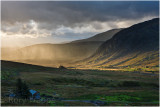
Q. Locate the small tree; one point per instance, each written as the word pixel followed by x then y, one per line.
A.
pixel 25 91
pixel 19 87
pixel 22 90
pixel 62 67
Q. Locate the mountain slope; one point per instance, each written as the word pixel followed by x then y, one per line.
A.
pixel 100 37
pixel 11 69
pixel 59 53
pixel 137 45
pixel 6 65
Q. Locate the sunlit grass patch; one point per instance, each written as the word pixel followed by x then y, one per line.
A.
pixel 118 98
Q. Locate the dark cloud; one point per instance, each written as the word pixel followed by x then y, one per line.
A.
pixel 79 18
pixel 69 13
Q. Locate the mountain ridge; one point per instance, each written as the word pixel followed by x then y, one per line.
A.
pixel 67 52
pixel 101 36
pixel 141 39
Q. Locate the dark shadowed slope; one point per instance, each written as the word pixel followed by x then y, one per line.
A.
pixel 11 69
pixel 22 67
pixel 137 45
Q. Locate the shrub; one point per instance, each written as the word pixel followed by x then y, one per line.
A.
pixel 37 83
pixel 22 90
pixel 129 84
pixel 62 67
pixel 139 69
pixel 95 83
pixel 154 85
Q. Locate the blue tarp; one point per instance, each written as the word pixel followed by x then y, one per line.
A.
pixel 32 91
pixel 12 95
pixel 37 96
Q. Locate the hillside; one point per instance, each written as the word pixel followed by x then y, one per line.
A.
pixel 11 69
pixel 137 45
pixel 55 54
pixel 100 37
pixel 24 66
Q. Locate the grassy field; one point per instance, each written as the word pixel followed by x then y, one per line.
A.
pixel 82 87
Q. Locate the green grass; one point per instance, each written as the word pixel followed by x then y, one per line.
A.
pixel 142 69
pixel 128 97
pixel 85 85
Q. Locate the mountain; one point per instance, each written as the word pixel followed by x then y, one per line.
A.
pixel 100 37
pixel 55 54
pixel 137 45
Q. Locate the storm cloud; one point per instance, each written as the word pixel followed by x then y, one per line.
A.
pixel 59 18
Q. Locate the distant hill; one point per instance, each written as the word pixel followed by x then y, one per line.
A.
pixel 100 37
pixel 137 45
pixel 59 53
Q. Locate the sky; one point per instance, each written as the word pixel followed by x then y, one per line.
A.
pixel 26 23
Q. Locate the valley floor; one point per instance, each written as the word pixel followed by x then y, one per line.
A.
pixel 72 87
